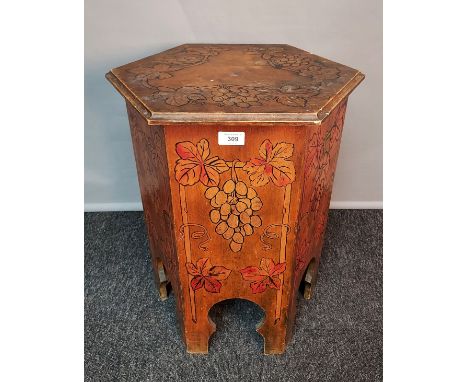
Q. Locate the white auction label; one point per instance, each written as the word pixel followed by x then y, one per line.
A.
pixel 231 138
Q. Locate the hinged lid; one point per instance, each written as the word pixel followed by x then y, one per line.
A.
pixel 248 83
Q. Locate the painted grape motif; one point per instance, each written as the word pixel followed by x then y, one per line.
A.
pixel 234 205
pixel 235 208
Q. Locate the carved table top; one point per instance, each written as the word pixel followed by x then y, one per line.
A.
pixel 204 82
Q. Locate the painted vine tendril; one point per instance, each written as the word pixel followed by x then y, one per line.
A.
pixel 269 234
pixel 198 234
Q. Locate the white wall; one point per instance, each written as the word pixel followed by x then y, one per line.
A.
pixel 121 31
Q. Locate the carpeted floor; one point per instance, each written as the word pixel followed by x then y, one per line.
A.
pixel 132 336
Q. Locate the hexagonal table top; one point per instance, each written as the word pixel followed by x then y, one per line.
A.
pixel 224 82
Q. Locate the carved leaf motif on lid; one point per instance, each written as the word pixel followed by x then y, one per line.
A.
pixel 163 66
pixel 234 95
pixel 302 64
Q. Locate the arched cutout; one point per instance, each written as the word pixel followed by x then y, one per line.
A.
pixel 235 320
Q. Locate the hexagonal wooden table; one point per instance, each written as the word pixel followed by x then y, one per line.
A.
pixel 236 148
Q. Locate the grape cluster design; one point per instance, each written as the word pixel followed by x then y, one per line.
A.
pixel 235 208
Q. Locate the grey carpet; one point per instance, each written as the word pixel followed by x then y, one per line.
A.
pixel 132 336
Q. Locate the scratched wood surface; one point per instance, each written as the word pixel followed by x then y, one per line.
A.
pixel 242 221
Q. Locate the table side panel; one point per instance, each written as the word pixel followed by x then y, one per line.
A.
pixel 211 268
pixel 321 156
pixel 150 156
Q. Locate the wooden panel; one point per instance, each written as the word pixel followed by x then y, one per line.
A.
pixel 321 155
pixel 213 265
pixel 153 177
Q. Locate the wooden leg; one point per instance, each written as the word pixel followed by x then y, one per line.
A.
pixel 198 336
pixel 274 336
pixel 310 279
pixel 160 278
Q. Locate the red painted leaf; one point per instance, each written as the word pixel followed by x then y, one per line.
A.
pixel 204 275
pixel 257 162
pixel 197 282
pixel 219 272
pixel 265 149
pixel 186 150
pixel 203 266
pixel 266 276
pixel 212 285
pixel 267 265
pixel 203 149
pixel 194 164
pixel 187 172
pixel 274 282
pixel 259 286
pixel 209 176
pixel 282 172
pixel 256 172
pixel 273 164
pixel 278 269
pixel 282 150
pixel 212 168
pixel 218 164
pixel 253 274
pixel 192 269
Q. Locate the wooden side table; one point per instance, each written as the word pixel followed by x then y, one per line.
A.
pixel 236 148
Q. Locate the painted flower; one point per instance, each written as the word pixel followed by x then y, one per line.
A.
pixel 265 276
pixel 207 276
pixel 194 164
pixel 273 164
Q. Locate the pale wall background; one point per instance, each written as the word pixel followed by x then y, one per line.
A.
pixel 121 31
